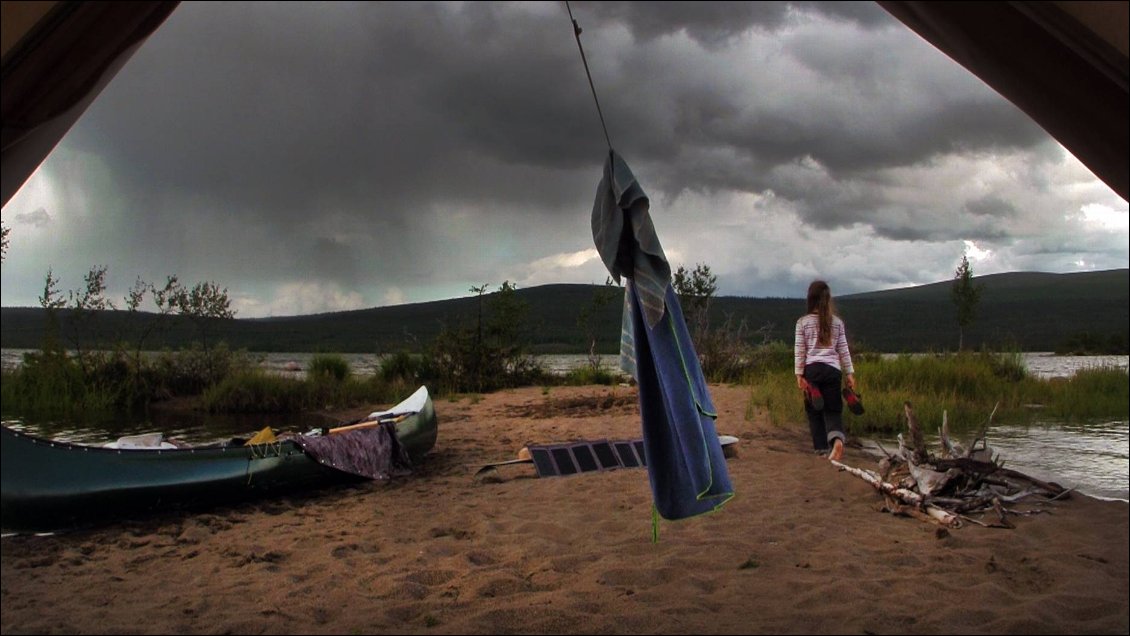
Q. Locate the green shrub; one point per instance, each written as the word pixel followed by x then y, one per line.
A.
pixel 51 385
pixel 255 391
pixel 965 387
pixel 587 374
pixel 326 366
pixel 1090 393
pixel 401 366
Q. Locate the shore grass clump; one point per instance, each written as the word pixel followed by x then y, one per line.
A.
pixel 254 391
pixel 966 387
pixel 588 374
pixel 328 366
pixel 51 385
pixel 401 366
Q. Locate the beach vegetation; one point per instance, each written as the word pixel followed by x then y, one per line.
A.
pixel 729 351
pixel 966 386
pixel 254 390
pixel 489 354
pixel 1087 343
pixel 484 350
pixel 402 366
pixel 587 374
pixel 966 296
pixel 588 320
pixel 329 367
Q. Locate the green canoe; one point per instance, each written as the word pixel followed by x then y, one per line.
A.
pixel 50 485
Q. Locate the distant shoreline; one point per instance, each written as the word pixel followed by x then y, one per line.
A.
pixel 1019 311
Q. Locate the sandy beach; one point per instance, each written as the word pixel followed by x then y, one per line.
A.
pixel 802 548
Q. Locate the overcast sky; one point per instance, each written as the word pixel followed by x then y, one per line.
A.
pixel 321 157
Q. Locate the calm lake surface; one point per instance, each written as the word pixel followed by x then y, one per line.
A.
pixel 1094 459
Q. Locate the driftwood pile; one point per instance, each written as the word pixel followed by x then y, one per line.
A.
pixel 959 484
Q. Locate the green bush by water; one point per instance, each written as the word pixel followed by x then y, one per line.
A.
pixel 328 366
pixel 258 391
pixel 585 375
pixel 965 386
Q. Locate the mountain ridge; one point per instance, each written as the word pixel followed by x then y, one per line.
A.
pixel 1036 311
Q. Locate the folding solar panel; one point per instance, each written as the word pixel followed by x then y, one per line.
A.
pixel 554 460
pixel 605 455
pixel 572 458
pixel 627 454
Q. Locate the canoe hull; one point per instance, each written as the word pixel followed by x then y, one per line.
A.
pixel 51 485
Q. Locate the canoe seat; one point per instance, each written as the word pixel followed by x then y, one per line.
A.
pixel 145 441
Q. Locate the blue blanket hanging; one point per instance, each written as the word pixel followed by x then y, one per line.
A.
pixel 685 464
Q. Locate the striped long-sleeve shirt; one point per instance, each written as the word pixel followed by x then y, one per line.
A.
pixel 806 350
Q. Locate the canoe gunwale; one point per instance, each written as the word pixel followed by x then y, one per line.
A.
pixel 51 484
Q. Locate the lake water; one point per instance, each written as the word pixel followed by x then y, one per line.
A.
pixel 1095 459
pixel 1040 364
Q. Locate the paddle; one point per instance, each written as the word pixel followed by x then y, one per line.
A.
pixel 362 424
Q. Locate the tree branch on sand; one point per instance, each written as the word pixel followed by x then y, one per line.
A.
pixel 961 484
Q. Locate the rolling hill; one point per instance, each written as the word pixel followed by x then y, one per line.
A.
pixel 1024 310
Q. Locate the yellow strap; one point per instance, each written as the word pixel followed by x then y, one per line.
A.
pixel 264 436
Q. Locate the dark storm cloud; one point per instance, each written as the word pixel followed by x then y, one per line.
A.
pixel 358 90
pixel 340 142
pixel 713 23
pixel 285 111
pixel 707 23
pixel 36 218
pixel 992 206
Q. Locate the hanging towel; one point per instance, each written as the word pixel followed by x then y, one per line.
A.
pixel 629 246
pixel 685 464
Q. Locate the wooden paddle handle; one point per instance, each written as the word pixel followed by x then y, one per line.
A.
pixel 368 424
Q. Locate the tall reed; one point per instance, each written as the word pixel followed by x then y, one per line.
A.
pixel 965 386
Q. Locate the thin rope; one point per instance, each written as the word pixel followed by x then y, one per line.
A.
pixel 577 34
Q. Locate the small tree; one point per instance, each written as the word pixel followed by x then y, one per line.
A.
pixel 965 297
pixel 164 299
pixel 204 304
pixel 489 354
pixel 51 301
pixel 86 304
pixel 696 290
pixel 589 318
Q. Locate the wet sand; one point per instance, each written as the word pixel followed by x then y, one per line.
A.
pixel 802 548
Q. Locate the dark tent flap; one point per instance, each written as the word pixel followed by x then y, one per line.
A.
pixel 1062 63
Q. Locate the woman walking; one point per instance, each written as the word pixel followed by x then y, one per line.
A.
pixel 821 362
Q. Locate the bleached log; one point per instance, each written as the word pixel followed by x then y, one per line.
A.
pixel 903 494
pixel 904 453
pixel 973 451
pixel 885 468
pixel 905 502
pixel 944 517
pixel 993 473
pixel 1047 486
pixel 918 442
pixel 950 448
pixel 983 454
pixel 896 507
pixel 931 481
pixel 974 480
pixel 1001 513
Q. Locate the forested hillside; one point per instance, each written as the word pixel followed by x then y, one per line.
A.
pixel 1026 311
